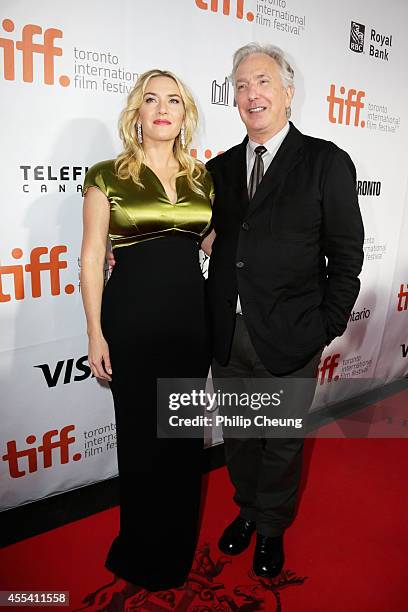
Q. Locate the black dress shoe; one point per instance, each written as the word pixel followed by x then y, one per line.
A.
pixel 237 536
pixel 269 556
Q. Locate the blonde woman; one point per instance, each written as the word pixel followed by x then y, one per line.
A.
pixel 154 203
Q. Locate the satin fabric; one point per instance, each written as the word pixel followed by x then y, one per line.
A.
pixel 138 214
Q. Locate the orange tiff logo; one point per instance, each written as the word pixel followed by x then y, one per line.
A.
pixel 51 264
pixel 215 7
pixel 208 154
pixel 353 102
pixel 44 45
pixel 53 440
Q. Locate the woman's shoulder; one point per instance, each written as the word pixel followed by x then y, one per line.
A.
pixel 100 175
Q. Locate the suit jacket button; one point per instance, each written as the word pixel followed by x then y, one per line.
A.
pixel 240 264
pixel 245 226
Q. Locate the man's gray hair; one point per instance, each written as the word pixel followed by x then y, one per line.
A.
pixel 285 69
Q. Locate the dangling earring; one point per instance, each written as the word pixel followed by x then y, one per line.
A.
pixel 183 136
pixel 139 133
pixel 288 111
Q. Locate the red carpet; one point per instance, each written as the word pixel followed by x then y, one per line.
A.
pixel 347 550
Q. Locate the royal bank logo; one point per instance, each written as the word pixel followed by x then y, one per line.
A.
pixel 222 94
pixel 357 32
pixel 377 43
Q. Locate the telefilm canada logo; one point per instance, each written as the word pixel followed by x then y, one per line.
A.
pixel 44 178
pixel 378 43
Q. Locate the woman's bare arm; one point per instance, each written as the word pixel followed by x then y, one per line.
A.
pixel 96 224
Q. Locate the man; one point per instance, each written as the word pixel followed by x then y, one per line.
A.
pixel 283 278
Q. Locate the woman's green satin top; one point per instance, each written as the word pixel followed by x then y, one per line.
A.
pixel 138 214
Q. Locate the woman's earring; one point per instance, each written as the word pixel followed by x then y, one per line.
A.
pixel 183 136
pixel 288 112
pixel 139 133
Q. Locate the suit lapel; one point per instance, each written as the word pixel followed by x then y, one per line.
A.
pixel 239 178
pixel 288 156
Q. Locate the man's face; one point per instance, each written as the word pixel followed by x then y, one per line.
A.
pixel 261 97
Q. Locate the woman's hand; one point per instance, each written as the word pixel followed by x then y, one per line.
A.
pixel 207 243
pixel 110 258
pixel 98 357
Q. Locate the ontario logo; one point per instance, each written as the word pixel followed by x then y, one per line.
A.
pixel 345 107
pixel 34 41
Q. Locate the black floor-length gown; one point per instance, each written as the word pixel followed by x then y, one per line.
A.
pixel 154 320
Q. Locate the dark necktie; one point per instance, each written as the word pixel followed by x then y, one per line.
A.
pixel 257 171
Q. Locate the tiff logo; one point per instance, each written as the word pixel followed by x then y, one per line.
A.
pixel 357 32
pixel 52 378
pixel 404 350
pixel 402 299
pixel 52 265
pixel 328 367
pixel 61 442
pixel 353 103
pixel 208 153
pixel 29 47
pixel 215 7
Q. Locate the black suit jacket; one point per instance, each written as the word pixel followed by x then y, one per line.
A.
pixel 273 250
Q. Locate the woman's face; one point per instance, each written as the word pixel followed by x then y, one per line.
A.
pixel 162 110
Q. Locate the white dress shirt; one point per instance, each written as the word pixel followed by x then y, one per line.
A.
pixel 271 147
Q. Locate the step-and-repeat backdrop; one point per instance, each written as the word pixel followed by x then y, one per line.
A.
pixel 65 71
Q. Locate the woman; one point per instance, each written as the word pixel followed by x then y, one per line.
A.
pixel 150 322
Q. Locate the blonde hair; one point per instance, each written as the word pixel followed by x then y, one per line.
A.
pixel 129 163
